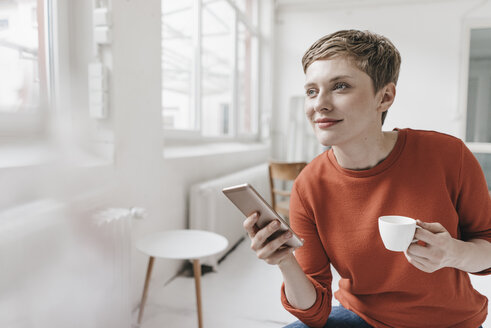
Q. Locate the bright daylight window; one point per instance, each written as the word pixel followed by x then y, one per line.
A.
pixel 22 61
pixel 177 64
pixel 209 67
pixel 246 96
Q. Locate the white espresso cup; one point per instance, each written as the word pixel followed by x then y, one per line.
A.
pixel 397 232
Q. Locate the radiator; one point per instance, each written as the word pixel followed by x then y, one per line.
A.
pixel 210 210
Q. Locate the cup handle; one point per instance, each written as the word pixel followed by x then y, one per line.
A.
pixel 414 239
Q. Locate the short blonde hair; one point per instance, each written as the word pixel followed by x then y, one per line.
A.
pixel 372 53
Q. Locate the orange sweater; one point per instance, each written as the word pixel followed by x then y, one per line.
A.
pixel 428 176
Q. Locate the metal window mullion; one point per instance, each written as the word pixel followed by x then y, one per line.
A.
pixel 196 94
pixel 235 74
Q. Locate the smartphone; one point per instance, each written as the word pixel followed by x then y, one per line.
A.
pixel 248 201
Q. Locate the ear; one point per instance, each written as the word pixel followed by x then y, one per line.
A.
pixel 387 96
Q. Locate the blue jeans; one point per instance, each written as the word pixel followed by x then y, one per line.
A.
pixel 339 318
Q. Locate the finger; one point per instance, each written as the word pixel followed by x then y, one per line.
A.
pixel 425 235
pixel 419 263
pixel 419 251
pixel 425 261
pixel 434 227
pixel 274 245
pixel 263 234
pixel 250 224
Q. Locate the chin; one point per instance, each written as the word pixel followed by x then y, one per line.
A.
pixel 326 139
pixel 327 142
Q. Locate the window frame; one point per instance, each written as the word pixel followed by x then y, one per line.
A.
pixel 468 25
pixel 195 134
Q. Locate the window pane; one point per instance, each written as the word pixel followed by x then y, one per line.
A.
pixel 177 64
pixel 217 67
pixel 247 122
pixel 485 161
pixel 479 87
pixel 19 78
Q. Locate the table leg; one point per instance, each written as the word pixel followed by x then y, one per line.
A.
pixel 145 288
pixel 197 280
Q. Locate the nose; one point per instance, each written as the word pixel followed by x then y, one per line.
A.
pixel 323 102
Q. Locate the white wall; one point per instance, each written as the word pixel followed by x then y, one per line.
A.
pixel 428 36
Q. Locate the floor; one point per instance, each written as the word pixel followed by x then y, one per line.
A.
pixel 244 293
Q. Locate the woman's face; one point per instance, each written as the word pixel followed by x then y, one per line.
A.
pixel 340 102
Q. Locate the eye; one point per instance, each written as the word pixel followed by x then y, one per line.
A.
pixel 340 86
pixel 311 92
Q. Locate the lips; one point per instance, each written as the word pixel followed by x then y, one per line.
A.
pixel 324 123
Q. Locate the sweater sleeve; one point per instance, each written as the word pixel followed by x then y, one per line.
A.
pixel 474 202
pixel 314 262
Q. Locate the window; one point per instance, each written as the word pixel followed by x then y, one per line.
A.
pixel 247 47
pixel 478 121
pixel 209 67
pixel 177 64
pixel 217 66
pixel 478 93
pixel 23 63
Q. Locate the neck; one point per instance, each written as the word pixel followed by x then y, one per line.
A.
pixel 366 152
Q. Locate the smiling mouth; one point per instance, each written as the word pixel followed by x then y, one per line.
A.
pixel 326 123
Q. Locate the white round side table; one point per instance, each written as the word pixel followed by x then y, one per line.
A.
pixel 180 245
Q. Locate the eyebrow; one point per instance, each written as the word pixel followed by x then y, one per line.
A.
pixel 339 77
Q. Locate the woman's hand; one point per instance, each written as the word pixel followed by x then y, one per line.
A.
pixel 440 251
pixel 268 245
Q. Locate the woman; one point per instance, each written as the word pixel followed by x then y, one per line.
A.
pixel 350 84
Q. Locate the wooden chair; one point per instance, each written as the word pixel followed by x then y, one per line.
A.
pixel 281 177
